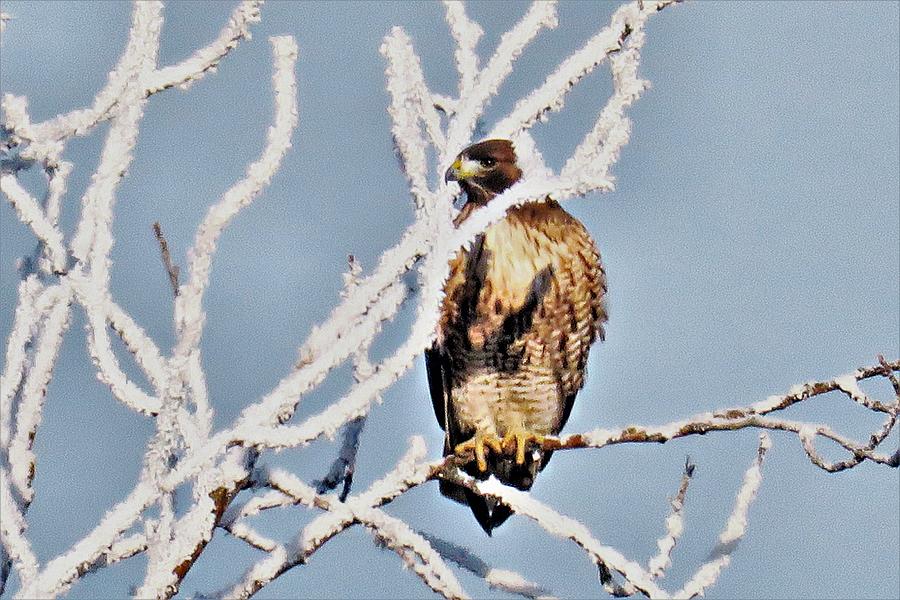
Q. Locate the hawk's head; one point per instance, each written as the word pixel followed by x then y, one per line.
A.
pixel 485 169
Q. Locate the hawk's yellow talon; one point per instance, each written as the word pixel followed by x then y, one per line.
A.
pixel 479 454
pixel 494 443
pixel 518 439
pixel 477 445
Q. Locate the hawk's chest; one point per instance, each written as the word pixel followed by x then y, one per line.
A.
pixel 494 279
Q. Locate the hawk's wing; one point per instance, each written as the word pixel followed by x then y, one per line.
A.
pixel 577 303
pixel 570 308
pixel 437 366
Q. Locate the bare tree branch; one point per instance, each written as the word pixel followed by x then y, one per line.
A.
pixel 171 268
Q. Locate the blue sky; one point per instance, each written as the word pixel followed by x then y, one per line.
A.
pixel 753 242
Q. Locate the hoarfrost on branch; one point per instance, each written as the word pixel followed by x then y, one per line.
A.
pixel 218 465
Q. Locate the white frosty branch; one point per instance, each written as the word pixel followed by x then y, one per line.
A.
pixel 196 527
pixel 30 308
pixel 31 214
pixel 340 514
pixel 466 34
pixel 565 527
pixel 206 59
pixel 83 121
pixel 29 410
pixel 344 465
pixel 487 82
pixel 415 551
pixel 189 312
pixel 500 579
pixel 411 108
pixel 12 532
pixel 734 530
pixel 674 526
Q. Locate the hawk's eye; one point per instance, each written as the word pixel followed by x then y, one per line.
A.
pixel 489 162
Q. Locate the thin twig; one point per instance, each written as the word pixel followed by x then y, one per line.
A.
pixel 171 269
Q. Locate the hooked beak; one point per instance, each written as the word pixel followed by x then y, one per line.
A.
pixel 452 173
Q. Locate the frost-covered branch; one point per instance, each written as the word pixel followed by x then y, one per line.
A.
pixel 674 525
pixel 31 214
pixel 734 530
pixel 44 311
pixel 82 121
pixel 499 579
pixel 344 465
pixel 756 416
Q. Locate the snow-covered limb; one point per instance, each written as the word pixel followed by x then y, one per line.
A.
pixel 416 552
pixel 356 322
pixel 592 159
pixel 181 541
pixel 525 504
pixel 344 465
pixel 254 427
pixel 661 561
pixel 674 526
pixel 31 214
pixel 550 96
pixel 59 574
pixel 273 498
pixel 57 177
pixel 500 579
pixel 756 416
pixel 242 531
pixel 409 472
pixel 29 410
pixel 98 309
pixel 122 549
pixel 734 530
pixel 12 533
pixel 234 520
pixel 608 559
pixel 23 392
pixel 83 121
pixel 33 302
pixel 413 548
pixel 487 81
pixel 178 546
pixel 411 108
pixel 93 239
pixel 144 350
pixel 189 311
pixel 466 34
pixel 206 59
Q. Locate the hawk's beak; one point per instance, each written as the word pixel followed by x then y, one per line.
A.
pixel 452 173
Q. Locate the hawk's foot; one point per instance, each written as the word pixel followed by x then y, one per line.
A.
pixel 477 444
pixel 518 439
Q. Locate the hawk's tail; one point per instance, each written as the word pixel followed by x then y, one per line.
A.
pixel 489 513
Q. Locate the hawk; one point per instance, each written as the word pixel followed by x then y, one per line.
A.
pixel 521 308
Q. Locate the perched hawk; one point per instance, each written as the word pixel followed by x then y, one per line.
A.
pixel 520 312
